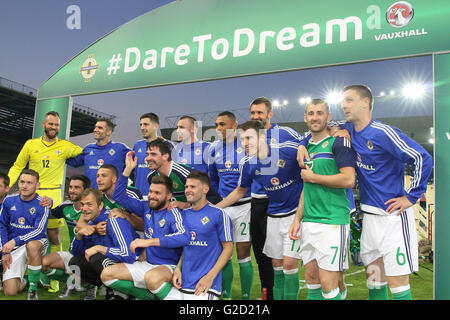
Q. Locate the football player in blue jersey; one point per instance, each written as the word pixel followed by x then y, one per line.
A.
pixel 211 244
pixel 23 225
pixel 165 235
pixel 104 151
pixel 92 252
pixel 275 168
pixel 149 124
pixel 190 150
pixel 389 248
pixel 223 166
pixel 261 110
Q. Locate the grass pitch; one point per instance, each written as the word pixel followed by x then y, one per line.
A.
pixel 421 283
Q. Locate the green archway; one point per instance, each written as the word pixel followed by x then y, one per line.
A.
pixel 198 40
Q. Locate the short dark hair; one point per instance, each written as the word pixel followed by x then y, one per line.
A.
pixel 252 124
pixel 201 176
pixel 81 177
pixel 264 100
pixel 165 180
pixel 363 91
pixel 108 122
pixel 152 116
pixel 97 194
pixel 163 146
pixel 112 168
pixel 52 113
pixel 317 101
pixel 191 119
pixel 5 178
pixel 30 172
pixel 228 114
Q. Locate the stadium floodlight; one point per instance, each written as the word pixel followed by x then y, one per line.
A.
pixel 392 92
pixel 304 100
pixel 285 102
pixel 413 91
pixel 431 140
pixel 382 94
pixel 334 97
pixel 276 103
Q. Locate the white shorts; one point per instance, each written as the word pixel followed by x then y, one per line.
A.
pixel 190 296
pixel 139 269
pixel 66 256
pixel 326 243
pixel 19 262
pixel 240 218
pixel 278 244
pixel 392 237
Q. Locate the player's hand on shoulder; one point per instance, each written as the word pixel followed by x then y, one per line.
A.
pixel 46 202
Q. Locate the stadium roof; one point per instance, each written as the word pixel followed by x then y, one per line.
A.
pixel 17 104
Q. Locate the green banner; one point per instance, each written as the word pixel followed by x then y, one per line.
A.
pixel 441 176
pixel 61 105
pixel 195 40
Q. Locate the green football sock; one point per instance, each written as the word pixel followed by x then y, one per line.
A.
pixel 332 295
pixel 401 293
pixel 128 287
pixel 278 283
pixel 314 292
pixel 377 290
pixel 227 280
pixel 246 276
pixel 162 291
pixel 34 274
pixel 57 274
pixel 291 284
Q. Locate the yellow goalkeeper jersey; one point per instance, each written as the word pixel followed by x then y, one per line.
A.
pixel 47 158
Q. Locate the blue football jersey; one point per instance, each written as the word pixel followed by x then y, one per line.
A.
pixel 223 166
pixel 278 174
pixel 209 227
pixel 382 152
pixel 166 225
pixel 22 221
pixel 194 155
pixel 119 235
pixel 94 156
pixel 275 134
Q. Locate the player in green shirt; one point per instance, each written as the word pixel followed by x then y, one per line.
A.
pixel 323 215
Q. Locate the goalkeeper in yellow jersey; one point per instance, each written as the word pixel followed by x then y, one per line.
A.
pixel 47 155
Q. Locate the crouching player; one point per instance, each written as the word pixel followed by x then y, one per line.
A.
pixel 165 235
pixel 94 252
pixel 56 264
pixel 23 223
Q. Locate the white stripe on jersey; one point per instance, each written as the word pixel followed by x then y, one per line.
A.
pixel 401 144
pixel 347 143
pixel 226 223
pixel 132 194
pixel 178 222
pixel 123 251
pixel 179 168
pixel 291 131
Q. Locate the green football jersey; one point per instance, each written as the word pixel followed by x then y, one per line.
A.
pixel 323 204
pixel 67 211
